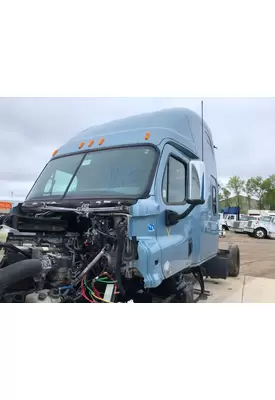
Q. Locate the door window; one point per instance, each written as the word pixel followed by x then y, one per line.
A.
pixel 174 182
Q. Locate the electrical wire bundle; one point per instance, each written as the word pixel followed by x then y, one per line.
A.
pixel 91 293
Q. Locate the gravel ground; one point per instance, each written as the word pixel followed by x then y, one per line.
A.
pixel 257 255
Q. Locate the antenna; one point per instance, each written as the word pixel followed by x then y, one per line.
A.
pixel 202 130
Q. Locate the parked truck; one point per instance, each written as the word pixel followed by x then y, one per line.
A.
pixel 262 228
pixel 125 211
pixel 239 226
pixel 228 216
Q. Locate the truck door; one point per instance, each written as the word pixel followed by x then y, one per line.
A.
pixel 170 190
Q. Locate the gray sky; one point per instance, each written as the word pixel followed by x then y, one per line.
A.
pixel 31 128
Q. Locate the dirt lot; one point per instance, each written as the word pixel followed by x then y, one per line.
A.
pixel 257 255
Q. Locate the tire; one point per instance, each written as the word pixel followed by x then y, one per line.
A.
pixel 225 228
pixel 234 261
pixel 260 233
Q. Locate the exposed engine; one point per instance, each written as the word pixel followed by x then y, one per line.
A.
pixel 67 257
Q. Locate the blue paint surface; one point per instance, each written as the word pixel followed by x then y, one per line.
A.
pixel 176 132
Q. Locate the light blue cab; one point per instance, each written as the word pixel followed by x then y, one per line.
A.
pixel 163 165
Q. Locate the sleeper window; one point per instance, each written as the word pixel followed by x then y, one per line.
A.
pixel 214 200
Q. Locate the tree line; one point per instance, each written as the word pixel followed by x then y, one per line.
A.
pixel 262 189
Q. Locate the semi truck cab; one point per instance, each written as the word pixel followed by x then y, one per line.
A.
pixel 142 195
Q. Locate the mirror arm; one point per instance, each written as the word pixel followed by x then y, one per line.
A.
pixel 195 202
pixel 186 212
pixel 172 217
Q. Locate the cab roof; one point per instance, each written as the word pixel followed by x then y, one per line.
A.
pixel 178 124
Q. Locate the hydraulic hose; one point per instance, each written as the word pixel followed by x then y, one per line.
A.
pixel 120 248
pixel 19 271
pixel 14 248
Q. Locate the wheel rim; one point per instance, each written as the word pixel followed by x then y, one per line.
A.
pixel 260 234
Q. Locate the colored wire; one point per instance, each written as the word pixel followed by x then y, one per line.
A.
pixel 105 281
pixel 85 297
pixel 94 295
pixel 83 291
pixel 91 292
pixel 111 281
pixel 98 298
pixel 108 275
pixel 95 290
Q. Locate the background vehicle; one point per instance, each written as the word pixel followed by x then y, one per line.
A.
pixel 228 216
pixel 261 213
pixel 239 226
pixel 263 228
pixel 5 207
pixel 126 211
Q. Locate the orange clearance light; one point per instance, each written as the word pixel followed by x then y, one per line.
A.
pixel 55 152
pixel 101 141
pixel 81 145
pixel 91 142
pixel 147 135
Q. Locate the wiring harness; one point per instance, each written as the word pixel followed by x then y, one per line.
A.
pixel 92 290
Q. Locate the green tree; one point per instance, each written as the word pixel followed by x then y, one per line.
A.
pixel 225 193
pixel 236 185
pixel 220 191
pixel 259 187
pixel 269 196
pixel 249 191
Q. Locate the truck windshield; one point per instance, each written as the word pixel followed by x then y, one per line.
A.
pixel 246 218
pixel 109 173
pixel 265 219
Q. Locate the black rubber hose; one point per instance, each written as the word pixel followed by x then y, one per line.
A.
pixel 120 248
pixel 18 271
pixel 14 248
pixel 199 276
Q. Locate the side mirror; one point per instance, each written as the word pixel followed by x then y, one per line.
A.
pixel 196 182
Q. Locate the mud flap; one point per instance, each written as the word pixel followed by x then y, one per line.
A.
pixel 217 267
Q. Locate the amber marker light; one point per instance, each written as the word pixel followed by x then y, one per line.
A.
pixel 147 135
